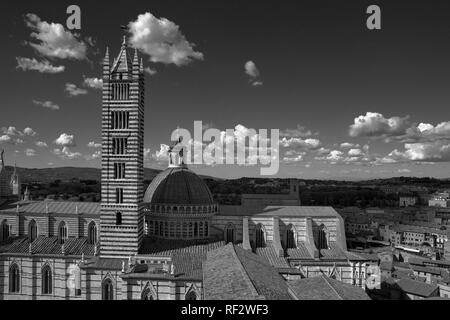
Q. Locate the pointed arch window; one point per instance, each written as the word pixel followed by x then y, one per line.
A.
pixel 322 238
pixel 260 238
pixel 92 233
pixel 62 232
pixel 290 237
pixel 4 230
pixel 148 294
pixel 47 283
pixel 32 231
pixel 14 279
pixel 107 290
pixel 230 234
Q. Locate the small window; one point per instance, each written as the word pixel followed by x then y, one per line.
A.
pixel 107 290
pixel 230 234
pixel 14 279
pixel 119 195
pixel 32 231
pixel 62 232
pixel 290 238
pixel 92 233
pixel 47 280
pixel 260 240
pixel 4 230
pixel 118 218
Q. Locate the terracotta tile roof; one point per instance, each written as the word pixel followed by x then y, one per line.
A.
pixel 280 211
pixel 333 252
pixel 59 207
pixel 271 256
pixel 48 246
pixel 416 288
pixel 324 288
pixel 301 252
pixel 159 247
pixel 232 273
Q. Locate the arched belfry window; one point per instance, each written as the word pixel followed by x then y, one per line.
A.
pixel 290 237
pixel 14 279
pixel 107 290
pixel 322 239
pixel 47 283
pixel 230 233
pixel 260 237
pixel 4 231
pixel 92 233
pixel 62 232
pixel 32 231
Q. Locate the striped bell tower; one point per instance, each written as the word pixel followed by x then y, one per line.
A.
pixel 122 218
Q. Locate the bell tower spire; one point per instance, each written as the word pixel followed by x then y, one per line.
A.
pixel 122 215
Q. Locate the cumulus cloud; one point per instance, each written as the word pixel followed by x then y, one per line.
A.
pixel 6 139
pixel 438 151
pixel 46 104
pixel 293 156
pixel 29 132
pixel 94 83
pixel 41 144
pixel 162 40
pixel 252 71
pixel 300 131
pixel 74 91
pixel 66 140
pixel 11 131
pixel 53 41
pixel 162 155
pixel 375 125
pixel 30 152
pixel 92 144
pixel 150 71
pixel 66 154
pixel 44 66
pixel 348 145
pixel 300 143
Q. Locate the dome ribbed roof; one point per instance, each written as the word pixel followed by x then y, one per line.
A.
pixel 178 185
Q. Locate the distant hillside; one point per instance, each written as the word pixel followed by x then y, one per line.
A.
pixel 48 175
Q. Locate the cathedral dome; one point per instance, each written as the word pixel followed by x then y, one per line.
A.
pixel 178 186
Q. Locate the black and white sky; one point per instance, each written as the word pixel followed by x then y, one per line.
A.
pixel 350 103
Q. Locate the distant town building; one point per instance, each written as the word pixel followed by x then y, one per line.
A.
pixel 407 201
pixel 441 200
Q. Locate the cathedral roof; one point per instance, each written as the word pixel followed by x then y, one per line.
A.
pixel 325 288
pixel 48 246
pixel 232 273
pixel 57 207
pixel 178 185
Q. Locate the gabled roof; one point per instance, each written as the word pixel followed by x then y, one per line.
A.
pixel 232 273
pixel 324 288
pixel 278 211
pixel 56 207
pixel 48 246
pixel 416 288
